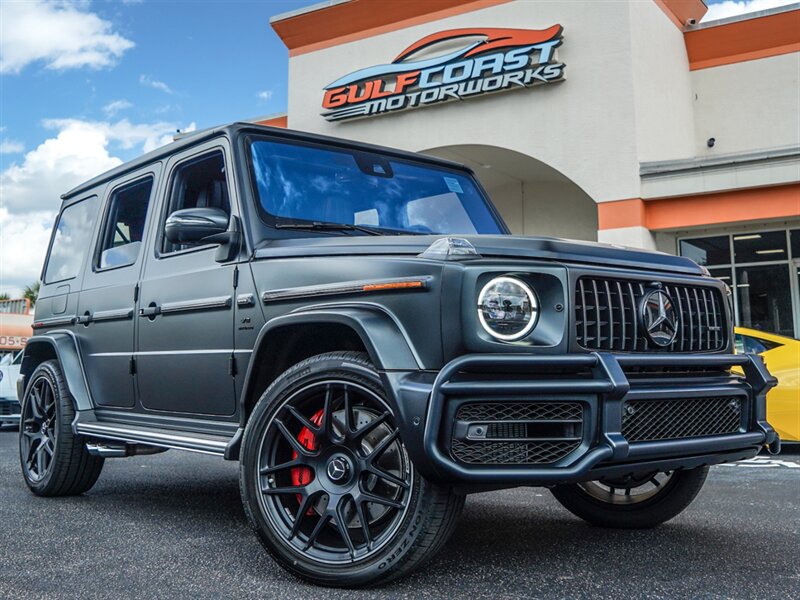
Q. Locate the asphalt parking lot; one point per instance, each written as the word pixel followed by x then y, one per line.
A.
pixel 172 526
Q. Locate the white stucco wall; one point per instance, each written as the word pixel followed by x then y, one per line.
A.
pixel 748 106
pixel 584 126
pixel 662 86
pixel 546 208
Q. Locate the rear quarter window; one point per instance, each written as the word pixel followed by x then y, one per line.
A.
pixel 70 240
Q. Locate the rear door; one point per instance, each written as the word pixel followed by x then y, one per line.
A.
pixel 185 318
pixel 106 308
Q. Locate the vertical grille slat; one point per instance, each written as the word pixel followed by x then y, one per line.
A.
pixel 634 318
pixel 615 306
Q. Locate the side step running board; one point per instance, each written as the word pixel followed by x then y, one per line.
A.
pixel 163 438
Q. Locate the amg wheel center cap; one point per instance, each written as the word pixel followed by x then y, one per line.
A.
pixel 338 469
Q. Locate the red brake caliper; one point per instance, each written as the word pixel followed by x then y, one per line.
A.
pixel 303 475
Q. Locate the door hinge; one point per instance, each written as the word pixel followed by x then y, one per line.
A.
pixel 235 277
pixel 232 366
pixel 136 293
pixel 132 366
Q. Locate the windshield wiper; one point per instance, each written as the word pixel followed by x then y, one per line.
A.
pixel 325 226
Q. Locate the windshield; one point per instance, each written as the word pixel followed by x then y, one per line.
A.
pixel 304 183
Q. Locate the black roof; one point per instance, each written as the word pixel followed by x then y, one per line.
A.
pixel 231 130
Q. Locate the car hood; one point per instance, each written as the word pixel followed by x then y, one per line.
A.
pixel 495 246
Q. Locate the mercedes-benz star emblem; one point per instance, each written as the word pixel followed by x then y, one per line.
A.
pixel 337 469
pixel 659 318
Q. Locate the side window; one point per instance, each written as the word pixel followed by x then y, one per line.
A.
pixel 123 229
pixel 70 240
pixel 198 183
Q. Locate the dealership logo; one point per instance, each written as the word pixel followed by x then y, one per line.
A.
pixel 431 71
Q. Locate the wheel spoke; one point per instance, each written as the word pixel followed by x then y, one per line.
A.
pixel 287 465
pixel 360 433
pixel 385 443
pixel 298 447
pixel 287 489
pixel 385 475
pixel 34 401
pixel 305 422
pixel 368 497
pixel 40 468
pixel 348 413
pixel 341 525
pixel 364 518
pixel 300 515
pixel 317 529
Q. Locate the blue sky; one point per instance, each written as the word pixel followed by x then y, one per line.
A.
pixel 88 84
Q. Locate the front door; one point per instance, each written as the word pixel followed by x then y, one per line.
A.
pixel 107 303
pixel 185 318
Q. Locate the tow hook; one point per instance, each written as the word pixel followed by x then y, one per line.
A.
pixel 774 447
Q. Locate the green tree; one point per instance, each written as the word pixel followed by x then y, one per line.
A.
pixel 4 296
pixel 31 292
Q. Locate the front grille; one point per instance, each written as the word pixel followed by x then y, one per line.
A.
pixel 607 317
pixel 520 411
pixel 516 433
pixel 511 453
pixel 9 408
pixel 651 420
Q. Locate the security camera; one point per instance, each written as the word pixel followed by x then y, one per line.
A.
pixel 691 22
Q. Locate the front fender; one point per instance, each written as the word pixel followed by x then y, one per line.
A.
pixel 63 346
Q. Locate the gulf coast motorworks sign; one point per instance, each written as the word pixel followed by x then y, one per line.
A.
pixel 457 64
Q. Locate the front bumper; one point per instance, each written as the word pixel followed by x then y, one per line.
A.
pixel 602 384
pixel 9 410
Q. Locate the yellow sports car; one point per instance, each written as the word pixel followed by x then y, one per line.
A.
pixel 782 356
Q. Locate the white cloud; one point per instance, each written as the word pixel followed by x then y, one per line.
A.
pixel 112 108
pixel 265 95
pixel 63 35
pixel 30 190
pixel 155 84
pixel 9 146
pixel 23 246
pixel 734 8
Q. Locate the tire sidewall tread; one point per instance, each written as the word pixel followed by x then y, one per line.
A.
pixel 428 522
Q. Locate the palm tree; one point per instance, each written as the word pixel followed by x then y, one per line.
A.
pixel 31 292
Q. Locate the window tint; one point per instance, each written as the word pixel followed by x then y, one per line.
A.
pixel 747 344
pixel 765 299
pixel 708 251
pixel 760 247
pixel 307 183
pixel 70 240
pixel 124 226
pixel 199 183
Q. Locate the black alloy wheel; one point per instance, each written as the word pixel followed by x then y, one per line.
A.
pixel 38 430
pixel 54 460
pixel 637 501
pixel 339 496
pixel 327 483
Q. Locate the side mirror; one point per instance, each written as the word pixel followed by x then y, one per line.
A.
pixel 194 225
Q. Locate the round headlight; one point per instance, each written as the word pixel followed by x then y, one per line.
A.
pixel 507 308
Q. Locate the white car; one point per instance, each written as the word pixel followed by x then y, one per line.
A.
pixel 9 373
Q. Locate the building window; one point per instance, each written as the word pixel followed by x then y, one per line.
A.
pixel 763 269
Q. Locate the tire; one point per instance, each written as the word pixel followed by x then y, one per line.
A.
pixel 601 504
pixel 319 534
pixel 53 459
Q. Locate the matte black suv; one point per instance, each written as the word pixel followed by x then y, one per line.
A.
pixel 355 326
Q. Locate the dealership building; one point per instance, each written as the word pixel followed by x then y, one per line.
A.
pixel 621 122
